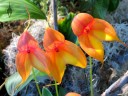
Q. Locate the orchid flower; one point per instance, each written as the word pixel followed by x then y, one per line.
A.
pixel 30 55
pixel 61 52
pixel 90 32
pixel 72 94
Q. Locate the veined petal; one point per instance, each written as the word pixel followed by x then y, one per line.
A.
pixel 25 41
pixel 57 66
pixel 51 36
pixel 92 46
pixel 23 65
pixel 39 60
pixel 81 21
pixel 103 31
pixel 73 55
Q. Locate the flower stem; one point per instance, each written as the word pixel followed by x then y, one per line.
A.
pixel 56 88
pixel 91 86
pixel 37 86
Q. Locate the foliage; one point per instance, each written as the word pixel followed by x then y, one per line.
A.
pixel 11 10
pixel 15 79
pixel 46 92
pixel 64 26
pixel 98 8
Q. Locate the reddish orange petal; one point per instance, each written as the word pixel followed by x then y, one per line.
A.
pixel 25 41
pixel 51 36
pixel 23 65
pixel 92 46
pixel 80 22
pixel 72 94
pixel 103 30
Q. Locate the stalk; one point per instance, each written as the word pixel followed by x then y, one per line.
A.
pixel 91 85
pixel 37 86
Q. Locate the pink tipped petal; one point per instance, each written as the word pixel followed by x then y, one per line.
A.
pixel 92 46
pixel 26 40
pixel 51 36
pixel 103 31
pixel 23 65
pixel 81 21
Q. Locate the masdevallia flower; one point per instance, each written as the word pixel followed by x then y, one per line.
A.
pixel 61 52
pixel 90 32
pixel 30 55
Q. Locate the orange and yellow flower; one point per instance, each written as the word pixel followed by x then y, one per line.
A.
pixel 61 52
pixel 72 94
pixel 90 32
pixel 30 55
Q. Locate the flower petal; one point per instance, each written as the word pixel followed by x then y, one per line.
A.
pixel 69 53
pixel 51 36
pixel 23 65
pixel 72 94
pixel 39 60
pixel 26 40
pixel 92 46
pixel 73 55
pixel 57 67
pixel 81 21
pixel 103 31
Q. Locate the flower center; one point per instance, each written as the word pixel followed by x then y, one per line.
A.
pixel 56 49
pixel 55 46
pixel 28 50
pixel 86 29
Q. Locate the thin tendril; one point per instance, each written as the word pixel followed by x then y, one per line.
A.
pixel 28 19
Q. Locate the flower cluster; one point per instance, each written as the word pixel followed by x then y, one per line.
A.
pixel 58 52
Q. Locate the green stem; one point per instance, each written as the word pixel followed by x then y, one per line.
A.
pixel 91 86
pixel 37 86
pixel 56 88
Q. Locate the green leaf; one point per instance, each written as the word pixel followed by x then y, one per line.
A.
pixel 46 92
pixel 11 10
pixel 100 8
pixel 113 4
pixel 64 26
pixel 62 91
pixel 15 79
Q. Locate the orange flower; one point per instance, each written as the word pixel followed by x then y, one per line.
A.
pixel 61 52
pixel 72 94
pixel 30 55
pixel 91 31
